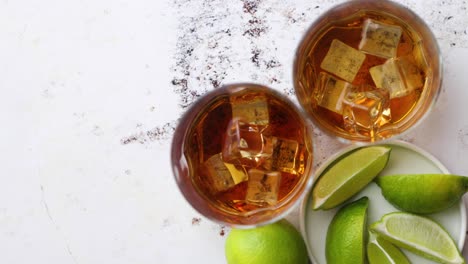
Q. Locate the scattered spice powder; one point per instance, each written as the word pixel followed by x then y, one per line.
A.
pixel 196 221
pixel 222 232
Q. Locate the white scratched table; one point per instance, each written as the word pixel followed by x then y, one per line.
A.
pixel 91 92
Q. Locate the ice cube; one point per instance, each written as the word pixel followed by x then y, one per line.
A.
pixel 287 156
pixel 263 187
pixel 330 92
pixel 244 142
pixel 399 76
pixel 387 76
pixel 221 176
pixel 251 109
pixel 343 60
pixel 380 39
pixel 410 74
pixel 365 111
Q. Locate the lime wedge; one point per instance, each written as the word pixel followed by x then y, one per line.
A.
pixel 380 251
pixel 422 193
pixel 346 234
pixel 419 235
pixel 348 176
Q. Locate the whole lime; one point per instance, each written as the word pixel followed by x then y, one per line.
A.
pixel 277 243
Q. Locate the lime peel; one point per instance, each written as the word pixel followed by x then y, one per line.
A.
pixel 347 234
pixel 380 251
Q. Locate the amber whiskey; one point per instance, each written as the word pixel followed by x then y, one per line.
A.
pixel 248 152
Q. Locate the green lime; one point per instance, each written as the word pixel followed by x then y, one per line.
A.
pixel 347 234
pixel 422 193
pixel 420 235
pixel 348 176
pixel 277 243
pixel 380 251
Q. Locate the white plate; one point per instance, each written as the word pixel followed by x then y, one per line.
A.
pixel 404 158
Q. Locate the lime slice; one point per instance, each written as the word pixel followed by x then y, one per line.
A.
pixel 380 251
pixel 346 234
pixel 420 235
pixel 422 193
pixel 348 176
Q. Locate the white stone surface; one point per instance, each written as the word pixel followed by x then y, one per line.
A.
pixel 91 92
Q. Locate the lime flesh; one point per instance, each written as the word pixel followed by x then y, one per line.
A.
pixel 347 234
pixel 419 235
pixel 380 251
pixel 348 176
pixel 422 193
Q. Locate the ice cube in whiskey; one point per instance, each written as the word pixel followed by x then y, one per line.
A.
pixel 219 176
pixel 342 60
pixel 330 92
pixel 286 156
pixel 364 112
pixel 410 73
pixel 251 109
pixel 263 187
pixel 244 142
pixel 380 39
pixel 399 76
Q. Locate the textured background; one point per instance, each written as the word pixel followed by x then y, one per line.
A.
pixel 90 95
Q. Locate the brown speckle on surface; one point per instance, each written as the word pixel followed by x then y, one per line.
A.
pixel 132 139
pixel 255 31
pixel 289 91
pixel 166 223
pixel 158 133
pixel 47 94
pixel 196 221
pixel 410 139
pixel 463 137
pixel 97 131
pixel 274 80
pixel 255 57
pixel 222 232
pixel 250 6
pixel 272 64
pixel 162 132
pixel 318 164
